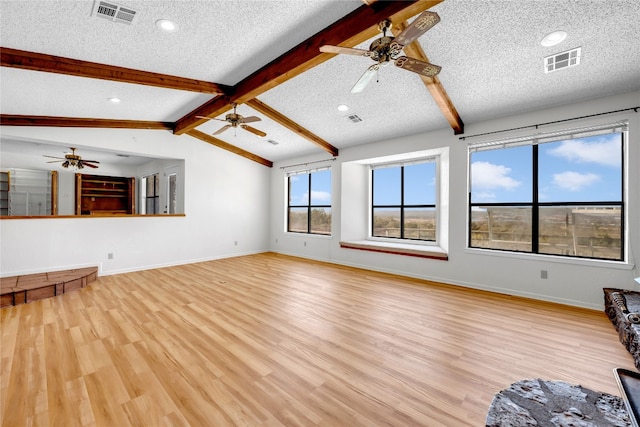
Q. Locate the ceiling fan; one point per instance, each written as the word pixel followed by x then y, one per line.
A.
pixel 235 120
pixel 388 48
pixel 72 159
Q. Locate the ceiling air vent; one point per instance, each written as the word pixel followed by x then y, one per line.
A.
pixel 354 118
pixel 272 142
pixel 114 12
pixel 567 59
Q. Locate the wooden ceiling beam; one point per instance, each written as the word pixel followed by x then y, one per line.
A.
pixel 439 94
pixel 291 125
pixel 226 146
pixel 55 64
pixel 353 29
pixel 78 122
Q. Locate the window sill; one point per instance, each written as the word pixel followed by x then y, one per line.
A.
pixel 621 265
pixel 432 252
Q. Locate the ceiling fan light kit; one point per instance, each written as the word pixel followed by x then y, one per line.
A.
pixel 73 160
pixel 388 48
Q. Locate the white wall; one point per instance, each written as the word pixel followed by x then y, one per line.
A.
pixel 228 200
pixel 225 199
pixel 573 282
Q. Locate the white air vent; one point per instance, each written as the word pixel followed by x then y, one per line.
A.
pixel 272 142
pixel 114 12
pixel 567 59
pixel 354 118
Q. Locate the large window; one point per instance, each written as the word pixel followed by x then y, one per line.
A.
pixel 404 201
pixel 558 194
pixel 309 205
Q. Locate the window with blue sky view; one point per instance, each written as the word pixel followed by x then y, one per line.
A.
pixel 570 204
pixel 309 206
pixel 404 201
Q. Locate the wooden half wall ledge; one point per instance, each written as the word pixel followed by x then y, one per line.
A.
pixel 17 290
pixel 395 249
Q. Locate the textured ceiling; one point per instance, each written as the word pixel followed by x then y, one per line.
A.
pixel 489 51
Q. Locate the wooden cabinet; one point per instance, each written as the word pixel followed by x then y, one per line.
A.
pixel 104 195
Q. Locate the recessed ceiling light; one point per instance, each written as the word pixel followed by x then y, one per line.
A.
pixel 114 100
pixel 166 25
pixel 554 38
pixel 343 107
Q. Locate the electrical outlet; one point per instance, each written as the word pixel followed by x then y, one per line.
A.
pixel 235 243
pixel 110 255
pixel 543 274
pixel 305 243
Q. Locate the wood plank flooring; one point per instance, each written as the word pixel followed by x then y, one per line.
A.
pixel 272 340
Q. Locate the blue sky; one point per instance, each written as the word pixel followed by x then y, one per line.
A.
pixel 419 185
pixel 572 170
pixel 320 188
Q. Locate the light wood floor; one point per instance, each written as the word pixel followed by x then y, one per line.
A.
pixel 271 340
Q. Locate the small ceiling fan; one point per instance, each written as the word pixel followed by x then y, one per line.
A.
pixel 72 159
pixel 388 48
pixel 235 120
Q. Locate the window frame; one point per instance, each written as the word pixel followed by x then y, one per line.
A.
pixel 309 206
pixel 355 202
pixel 402 206
pixel 536 205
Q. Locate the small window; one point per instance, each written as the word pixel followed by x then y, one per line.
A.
pixel 404 201
pixel 309 202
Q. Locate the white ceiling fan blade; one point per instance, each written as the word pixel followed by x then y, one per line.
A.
pixel 344 50
pixel 418 27
pixel 250 119
pixel 222 129
pixel 53 157
pixel 416 66
pixel 365 79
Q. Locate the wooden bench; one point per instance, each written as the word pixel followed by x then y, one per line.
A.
pixel 16 290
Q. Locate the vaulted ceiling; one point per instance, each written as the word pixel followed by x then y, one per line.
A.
pixel 61 63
